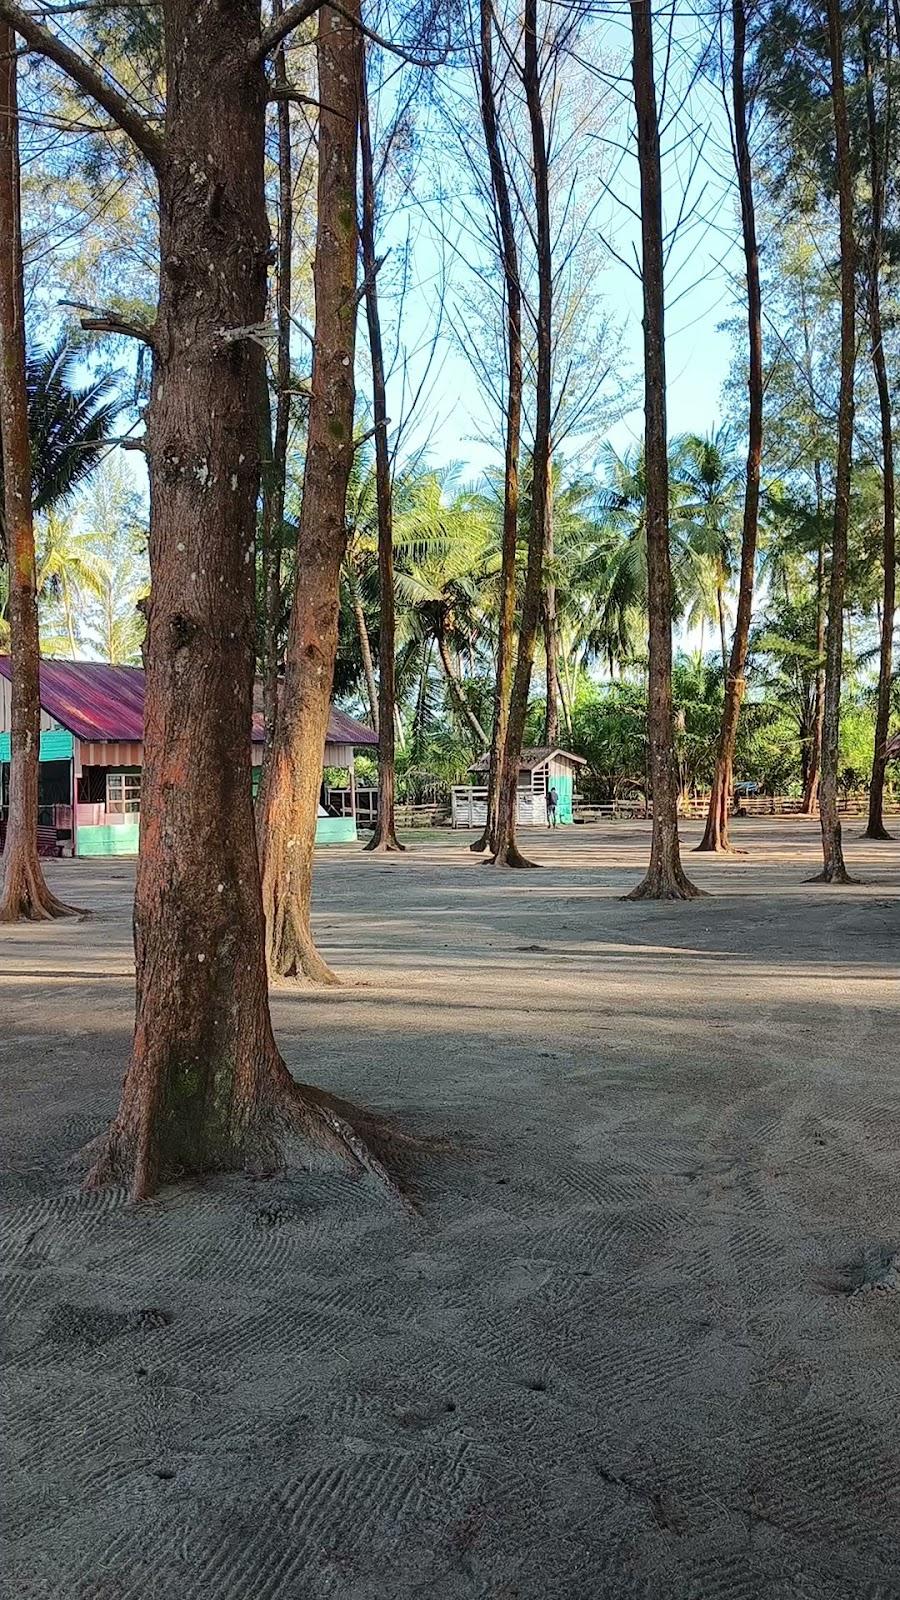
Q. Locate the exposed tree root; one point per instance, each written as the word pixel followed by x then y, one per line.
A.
pixel 833 875
pixel 880 833
pixel 292 953
pixel 480 845
pixel 26 897
pixel 510 856
pixel 659 885
pixel 295 1125
pixel 389 844
pixel 717 849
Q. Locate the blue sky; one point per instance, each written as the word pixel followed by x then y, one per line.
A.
pixel 704 267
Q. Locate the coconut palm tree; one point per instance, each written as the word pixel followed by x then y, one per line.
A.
pixel 71 429
pixel 707 493
pixel 69 568
pixel 447 563
pixel 70 425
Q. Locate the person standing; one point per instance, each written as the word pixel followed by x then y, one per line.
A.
pixel 552 805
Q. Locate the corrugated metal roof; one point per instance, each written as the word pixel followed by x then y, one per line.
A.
pixel 533 755
pixel 99 702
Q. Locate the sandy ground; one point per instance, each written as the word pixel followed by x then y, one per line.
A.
pixel 618 1356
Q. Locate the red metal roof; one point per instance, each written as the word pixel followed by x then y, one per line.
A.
pixel 99 702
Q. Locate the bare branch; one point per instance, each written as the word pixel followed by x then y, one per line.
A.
pixel 369 279
pixel 297 14
pixel 284 91
pixel 259 333
pixel 292 18
pixel 102 320
pixel 365 437
pixel 88 78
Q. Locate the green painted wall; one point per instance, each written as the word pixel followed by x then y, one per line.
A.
pixel 56 745
pixel 336 830
pixel 121 839
pixel 118 839
pixel 564 786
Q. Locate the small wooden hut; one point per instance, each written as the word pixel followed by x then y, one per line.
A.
pixel 540 770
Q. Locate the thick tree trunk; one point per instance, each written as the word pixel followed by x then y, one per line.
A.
pixel 205 1087
pixel 665 879
pixel 875 828
pixel 834 870
pixel 506 852
pixel 457 689
pixel 509 254
pixel 813 760
pixel 715 837
pixel 275 479
pixel 288 826
pixel 384 838
pixel 25 893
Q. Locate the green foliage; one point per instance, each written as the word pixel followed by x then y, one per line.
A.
pixel 70 424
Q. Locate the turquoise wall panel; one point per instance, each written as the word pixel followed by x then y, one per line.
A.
pixel 56 745
pixel 564 786
pixel 120 839
pixel 336 830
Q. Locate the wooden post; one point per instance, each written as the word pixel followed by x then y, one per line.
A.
pixel 74 798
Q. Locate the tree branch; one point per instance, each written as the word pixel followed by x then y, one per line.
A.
pixel 294 15
pixel 101 320
pixel 87 77
pixel 282 26
pixel 284 91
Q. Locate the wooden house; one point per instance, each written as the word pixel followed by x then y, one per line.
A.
pixel 91 755
pixel 540 770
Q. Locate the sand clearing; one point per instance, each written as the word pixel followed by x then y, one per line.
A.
pixel 618 1355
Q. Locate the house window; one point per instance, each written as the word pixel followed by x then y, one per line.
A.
pixel 123 793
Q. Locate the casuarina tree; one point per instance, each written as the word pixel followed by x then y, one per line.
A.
pixel 834 870
pixel 205 1087
pixel 24 892
pixel 665 878
pixel 715 837
pixel 512 294
pixel 290 803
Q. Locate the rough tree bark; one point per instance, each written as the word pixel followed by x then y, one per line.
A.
pixel 506 852
pixel 810 800
pixel 205 1087
pixel 457 688
pixel 665 878
pixel 384 838
pixel 834 870
pixel 551 639
pixel 275 479
pixel 25 893
pixel 715 837
pixel 365 650
pixel 875 828
pixel 509 257
pixel 288 822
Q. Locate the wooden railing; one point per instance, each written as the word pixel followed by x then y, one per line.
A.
pixel 611 811
pixel 785 805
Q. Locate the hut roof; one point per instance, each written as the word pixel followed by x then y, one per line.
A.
pixel 532 756
pixel 892 748
pixel 96 701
